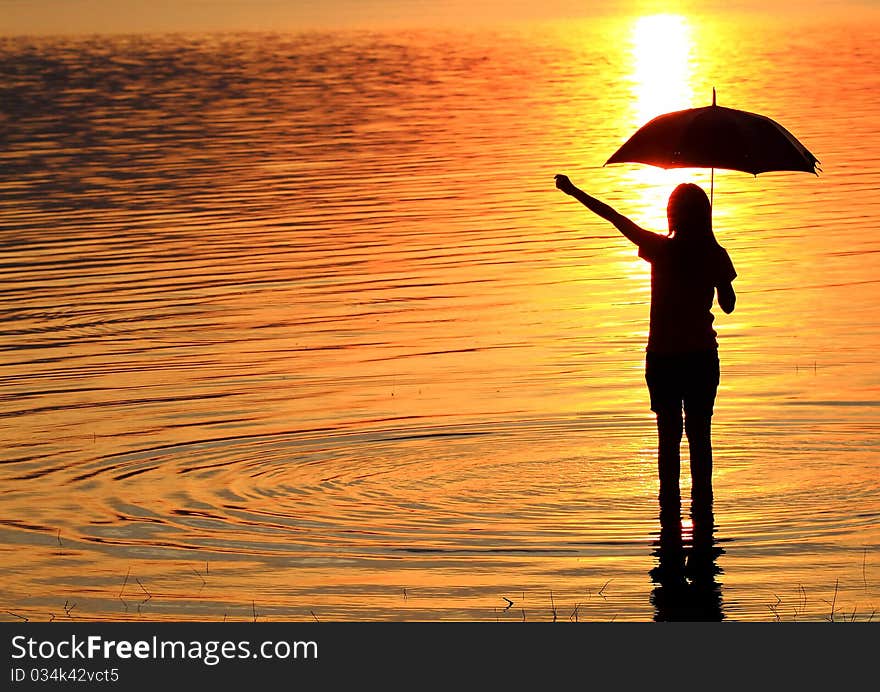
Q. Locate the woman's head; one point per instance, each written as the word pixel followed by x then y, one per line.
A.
pixel 689 213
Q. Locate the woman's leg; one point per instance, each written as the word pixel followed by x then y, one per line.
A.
pixel 669 428
pixel 699 434
pixel 699 403
pixel 665 388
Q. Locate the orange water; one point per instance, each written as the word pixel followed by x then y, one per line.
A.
pixel 297 326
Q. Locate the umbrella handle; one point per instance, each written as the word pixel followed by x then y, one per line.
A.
pixel 712 178
pixel 712 188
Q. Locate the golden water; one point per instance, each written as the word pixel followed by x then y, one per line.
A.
pixel 297 326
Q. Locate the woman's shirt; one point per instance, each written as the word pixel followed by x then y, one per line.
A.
pixel 684 276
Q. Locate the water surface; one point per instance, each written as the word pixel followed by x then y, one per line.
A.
pixel 296 326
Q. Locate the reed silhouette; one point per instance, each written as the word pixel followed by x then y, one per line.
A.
pixel 682 367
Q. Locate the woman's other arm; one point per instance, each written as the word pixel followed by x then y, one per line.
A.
pixel 726 297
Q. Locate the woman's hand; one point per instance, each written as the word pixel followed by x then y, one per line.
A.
pixel 564 184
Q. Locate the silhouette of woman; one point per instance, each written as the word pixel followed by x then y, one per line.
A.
pixel 681 366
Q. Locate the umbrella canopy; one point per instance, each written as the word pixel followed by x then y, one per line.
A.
pixel 716 137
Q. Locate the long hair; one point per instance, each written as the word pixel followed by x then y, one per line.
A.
pixel 690 214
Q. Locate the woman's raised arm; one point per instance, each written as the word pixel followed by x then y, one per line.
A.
pixel 628 228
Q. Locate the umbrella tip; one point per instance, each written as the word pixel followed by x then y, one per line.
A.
pixel 713 96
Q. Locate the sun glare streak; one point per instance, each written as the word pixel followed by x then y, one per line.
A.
pixel 661 50
pixel 662 81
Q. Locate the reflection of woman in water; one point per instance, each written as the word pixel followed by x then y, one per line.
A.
pixel 686 588
pixel 681 369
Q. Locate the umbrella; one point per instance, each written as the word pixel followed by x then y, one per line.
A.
pixel 716 137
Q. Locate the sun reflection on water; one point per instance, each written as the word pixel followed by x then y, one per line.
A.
pixel 662 49
pixel 661 53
